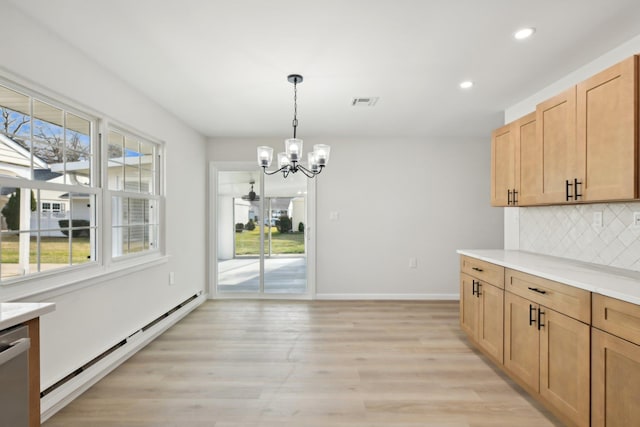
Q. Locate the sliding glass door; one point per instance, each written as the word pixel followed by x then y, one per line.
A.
pixel 261 234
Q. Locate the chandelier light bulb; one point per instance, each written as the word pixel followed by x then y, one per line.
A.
pixel 265 156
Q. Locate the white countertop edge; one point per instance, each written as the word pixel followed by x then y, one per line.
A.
pixel 15 313
pixel 589 277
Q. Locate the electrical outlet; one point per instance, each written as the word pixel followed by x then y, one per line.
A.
pixel 597 220
pixel 172 278
pixel 413 262
pixel 636 220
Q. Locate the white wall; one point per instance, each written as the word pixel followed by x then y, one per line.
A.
pixel 395 199
pixel 89 320
pixel 525 228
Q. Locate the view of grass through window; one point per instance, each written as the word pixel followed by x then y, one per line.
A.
pixel 248 242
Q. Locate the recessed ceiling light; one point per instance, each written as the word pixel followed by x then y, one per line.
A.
pixel 466 84
pixel 524 33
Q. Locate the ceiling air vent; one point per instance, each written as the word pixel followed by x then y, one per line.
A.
pixel 364 101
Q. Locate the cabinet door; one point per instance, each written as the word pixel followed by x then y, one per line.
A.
pixel 556 134
pixel 502 166
pixel 468 306
pixel 615 381
pixel 606 137
pixel 528 161
pixel 521 345
pixel 564 365
pixel 490 320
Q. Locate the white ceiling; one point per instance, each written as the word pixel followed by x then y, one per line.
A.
pixel 221 66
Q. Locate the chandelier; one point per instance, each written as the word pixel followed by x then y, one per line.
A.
pixel 289 160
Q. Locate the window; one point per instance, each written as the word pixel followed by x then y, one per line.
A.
pixel 52 207
pixel 51 191
pixel 133 183
pixel 47 191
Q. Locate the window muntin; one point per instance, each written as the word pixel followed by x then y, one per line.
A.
pixel 132 177
pixel 43 142
pixel 131 164
pixel 33 241
pixel 135 225
pixel 47 156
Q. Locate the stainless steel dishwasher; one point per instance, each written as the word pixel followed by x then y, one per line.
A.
pixel 14 377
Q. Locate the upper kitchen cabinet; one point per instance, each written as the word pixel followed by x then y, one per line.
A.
pixel 556 137
pixel 528 164
pixel 516 175
pixel 503 155
pixel 579 146
pixel 607 140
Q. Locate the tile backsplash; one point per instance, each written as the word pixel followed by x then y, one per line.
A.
pixel 573 232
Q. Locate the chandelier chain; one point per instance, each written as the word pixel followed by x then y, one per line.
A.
pixel 295 107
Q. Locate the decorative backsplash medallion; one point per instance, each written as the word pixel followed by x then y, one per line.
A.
pixel 574 232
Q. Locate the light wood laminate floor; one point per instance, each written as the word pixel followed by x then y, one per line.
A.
pixel 310 364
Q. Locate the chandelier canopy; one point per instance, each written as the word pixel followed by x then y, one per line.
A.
pixel 289 161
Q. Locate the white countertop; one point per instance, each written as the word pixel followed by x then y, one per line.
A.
pixel 609 281
pixel 14 313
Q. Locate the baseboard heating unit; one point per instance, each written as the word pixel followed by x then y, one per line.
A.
pixel 60 394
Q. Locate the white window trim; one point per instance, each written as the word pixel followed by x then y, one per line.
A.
pixel 56 282
pixel 159 196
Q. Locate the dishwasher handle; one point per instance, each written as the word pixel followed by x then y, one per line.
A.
pixel 15 349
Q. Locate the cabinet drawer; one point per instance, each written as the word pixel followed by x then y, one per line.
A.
pixel 483 270
pixel 573 302
pixel 619 318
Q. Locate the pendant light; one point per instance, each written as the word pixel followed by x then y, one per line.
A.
pixel 289 160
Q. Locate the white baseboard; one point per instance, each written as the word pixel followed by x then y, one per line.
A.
pixel 66 393
pixel 420 297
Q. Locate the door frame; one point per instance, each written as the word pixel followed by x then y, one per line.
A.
pixel 212 255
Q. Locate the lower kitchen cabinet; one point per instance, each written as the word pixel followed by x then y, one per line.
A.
pixel 521 341
pixel 481 308
pixel 564 365
pixel 615 363
pixel 575 351
pixel 548 353
pixel 615 381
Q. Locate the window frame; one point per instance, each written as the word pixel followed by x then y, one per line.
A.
pixel 37 186
pixel 158 195
pixel 103 265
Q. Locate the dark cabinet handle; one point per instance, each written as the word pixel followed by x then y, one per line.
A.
pixel 567 185
pixel 473 287
pixel 540 291
pixel 532 310
pixel 575 187
pixel 477 269
pixel 478 289
pixel 515 197
pixel 509 197
pixel 540 313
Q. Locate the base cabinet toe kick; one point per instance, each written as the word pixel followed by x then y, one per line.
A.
pixel 575 351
